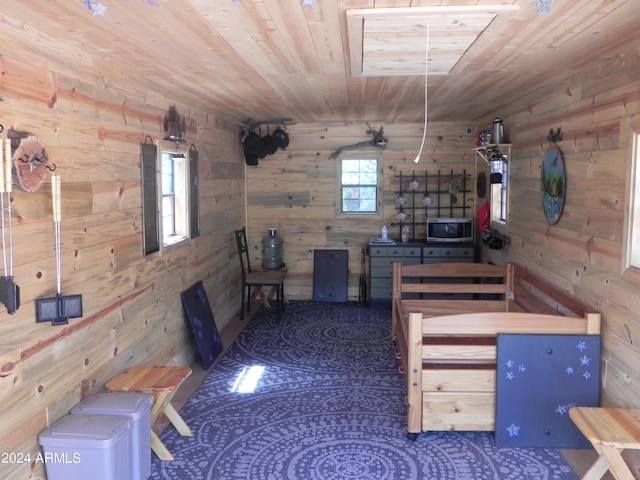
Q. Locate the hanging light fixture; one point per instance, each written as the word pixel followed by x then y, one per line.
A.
pixel 543 6
pixel 426 74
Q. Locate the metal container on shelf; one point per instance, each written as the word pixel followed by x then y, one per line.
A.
pixel 272 246
pixel 497 132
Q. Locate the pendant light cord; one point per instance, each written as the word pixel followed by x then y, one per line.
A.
pixel 426 74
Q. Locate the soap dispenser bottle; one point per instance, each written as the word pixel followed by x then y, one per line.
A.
pixel 383 233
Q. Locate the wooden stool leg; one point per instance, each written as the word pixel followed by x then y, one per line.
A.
pixel 617 466
pixel 597 470
pixel 159 448
pixel 162 405
pixel 177 421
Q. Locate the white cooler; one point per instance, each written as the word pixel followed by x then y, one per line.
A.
pixel 78 447
pixel 137 407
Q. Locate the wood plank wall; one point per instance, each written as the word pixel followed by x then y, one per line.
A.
pixel 582 253
pixel 295 191
pixel 132 312
pixel 132 309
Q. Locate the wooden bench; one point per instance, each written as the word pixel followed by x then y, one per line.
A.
pixel 446 340
pixel 610 431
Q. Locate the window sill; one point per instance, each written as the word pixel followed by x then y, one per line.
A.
pixel 498 226
pixel 355 215
pixel 174 240
pixel 631 274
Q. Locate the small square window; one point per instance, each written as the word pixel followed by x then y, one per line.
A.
pixel 359 185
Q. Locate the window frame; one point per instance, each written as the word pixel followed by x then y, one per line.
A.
pixel 630 264
pixel 501 204
pixel 175 198
pixel 188 200
pixel 355 155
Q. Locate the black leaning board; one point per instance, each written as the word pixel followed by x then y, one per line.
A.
pixel 539 378
pixel 198 312
pixel 330 275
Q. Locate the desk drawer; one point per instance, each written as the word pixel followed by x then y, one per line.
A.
pixel 395 252
pixel 383 266
pixel 443 254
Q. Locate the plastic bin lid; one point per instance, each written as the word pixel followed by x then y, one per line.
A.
pixel 117 403
pixel 97 431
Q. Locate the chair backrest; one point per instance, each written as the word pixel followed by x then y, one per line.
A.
pixel 243 251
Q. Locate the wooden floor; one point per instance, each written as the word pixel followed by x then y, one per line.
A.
pixel 580 460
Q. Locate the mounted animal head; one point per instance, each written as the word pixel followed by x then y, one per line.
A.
pixel 377 140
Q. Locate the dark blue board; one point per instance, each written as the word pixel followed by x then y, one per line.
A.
pixel 198 313
pixel 330 275
pixel 539 378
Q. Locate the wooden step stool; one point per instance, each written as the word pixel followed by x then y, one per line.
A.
pixel 162 382
pixel 610 431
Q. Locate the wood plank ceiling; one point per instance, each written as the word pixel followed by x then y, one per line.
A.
pixel 265 59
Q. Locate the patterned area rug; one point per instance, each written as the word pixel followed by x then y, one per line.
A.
pixel 316 395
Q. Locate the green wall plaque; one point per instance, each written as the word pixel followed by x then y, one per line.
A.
pixel 553 183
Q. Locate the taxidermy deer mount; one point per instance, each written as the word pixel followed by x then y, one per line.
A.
pixel 377 140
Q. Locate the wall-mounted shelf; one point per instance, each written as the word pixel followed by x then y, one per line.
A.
pixel 430 195
pixel 485 151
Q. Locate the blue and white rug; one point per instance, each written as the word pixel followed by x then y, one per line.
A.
pixel 316 395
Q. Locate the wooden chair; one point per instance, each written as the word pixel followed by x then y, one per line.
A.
pixel 610 431
pixel 256 279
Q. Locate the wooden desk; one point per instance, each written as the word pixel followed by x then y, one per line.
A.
pixel 162 382
pixel 610 431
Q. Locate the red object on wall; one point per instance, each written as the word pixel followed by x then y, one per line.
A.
pixel 483 217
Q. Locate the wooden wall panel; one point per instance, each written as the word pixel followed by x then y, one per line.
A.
pixel 132 313
pixel 582 253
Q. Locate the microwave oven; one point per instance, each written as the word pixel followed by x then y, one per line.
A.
pixel 449 230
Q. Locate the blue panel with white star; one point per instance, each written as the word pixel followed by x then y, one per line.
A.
pixel 539 378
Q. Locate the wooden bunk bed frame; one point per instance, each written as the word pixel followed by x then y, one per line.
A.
pixel 445 321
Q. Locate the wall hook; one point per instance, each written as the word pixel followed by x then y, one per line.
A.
pixel 554 137
pixel 52 169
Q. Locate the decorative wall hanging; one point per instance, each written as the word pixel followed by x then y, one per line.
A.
pixel 59 309
pixel 30 160
pixel 175 126
pixel 553 183
pixel 378 140
pixel 9 291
